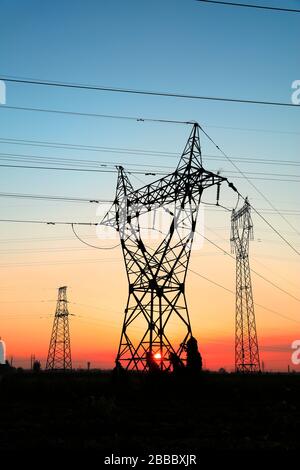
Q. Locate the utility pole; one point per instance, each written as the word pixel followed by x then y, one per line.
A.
pixel 246 343
pixel 59 354
pixel 156 276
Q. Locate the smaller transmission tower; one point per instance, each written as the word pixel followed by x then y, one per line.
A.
pixel 59 354
pixel 246 344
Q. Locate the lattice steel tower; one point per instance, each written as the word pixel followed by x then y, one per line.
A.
pixel 157 329
pixel 246 344
pixel 59 354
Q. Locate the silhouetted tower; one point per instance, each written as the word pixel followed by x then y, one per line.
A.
pixel 156 310
pixel 59 355
pixel 246 344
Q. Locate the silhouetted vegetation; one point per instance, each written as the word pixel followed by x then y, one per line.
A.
pixel 36 367
pixel 154 412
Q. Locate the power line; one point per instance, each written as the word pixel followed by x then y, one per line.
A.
pixel 64 161
pixel 211 281
pixel 105 116
pixel 59 262
pixel 264 210
pixel 94 224
pixel 130 172
pixel 275 312
pixel 55 198
pixel 247 5
pixel 72 224
pixel 252 270
pixel 250 129
pixel 114 259
pixel 94 170
pixel 137 92
pixel 210 241
pixel 34 239
pixel 266 179
pixel 89 148
pixel 291 212
pixel 226 158
pixel 16 157
pixel 266 199
pixel 138 172
pixel 31 240
pixel 45 250
pixel 93 246
pixel 128 151
pixel 131 151
pixel 276 210
pixel 150 172
pixel 42 159
pixel 46 222
pixel 232 292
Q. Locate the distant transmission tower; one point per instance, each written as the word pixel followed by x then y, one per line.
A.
pixel 157 331
pixel 59 354
pixel 246 344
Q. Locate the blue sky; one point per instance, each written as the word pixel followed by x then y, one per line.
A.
pixel 171 45
pixel 178 46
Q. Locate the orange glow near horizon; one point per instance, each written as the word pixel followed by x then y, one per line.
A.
pixel 80 136
pixel 95 329
pixel 97 293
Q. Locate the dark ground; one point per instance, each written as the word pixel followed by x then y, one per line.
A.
pixel 163 414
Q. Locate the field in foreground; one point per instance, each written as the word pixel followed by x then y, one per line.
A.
pixel 96 410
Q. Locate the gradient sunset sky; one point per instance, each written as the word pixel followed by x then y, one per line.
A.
pixel 180 46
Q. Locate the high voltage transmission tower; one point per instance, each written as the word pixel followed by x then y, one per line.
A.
pixel 157 331
pixel 246 344
pixel 59 354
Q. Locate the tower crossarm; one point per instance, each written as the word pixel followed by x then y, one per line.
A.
pixel 175 187
pixel 182 186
